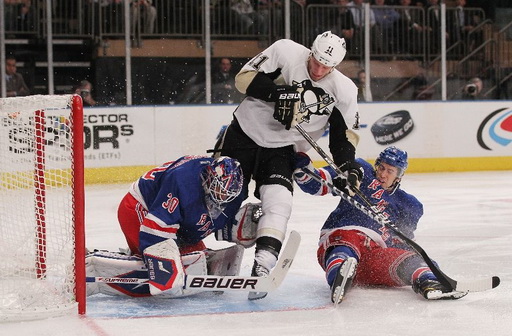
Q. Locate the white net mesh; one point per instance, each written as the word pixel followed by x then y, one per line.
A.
pixel 37 276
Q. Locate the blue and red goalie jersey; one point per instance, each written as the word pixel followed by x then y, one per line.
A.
pixel 175 199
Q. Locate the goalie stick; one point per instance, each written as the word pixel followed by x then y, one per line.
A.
pixel 460 286
pixel 230 283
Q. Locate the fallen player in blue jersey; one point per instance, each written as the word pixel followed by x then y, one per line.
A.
pixel 354 248
pixel 166 215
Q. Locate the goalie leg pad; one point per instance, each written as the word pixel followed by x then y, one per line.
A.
pixel 110 264
pixel 165 269
pixel 194 263
pixel 225 261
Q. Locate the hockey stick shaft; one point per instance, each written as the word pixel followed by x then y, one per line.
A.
pixel 370 211
pixel 202 282
pixel 231 283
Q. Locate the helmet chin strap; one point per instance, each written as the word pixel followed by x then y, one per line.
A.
pixel 394 186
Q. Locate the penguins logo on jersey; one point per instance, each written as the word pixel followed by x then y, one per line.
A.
pixel 314 100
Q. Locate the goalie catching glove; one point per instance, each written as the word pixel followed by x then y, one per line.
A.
pixel 242 230
pixel 287 100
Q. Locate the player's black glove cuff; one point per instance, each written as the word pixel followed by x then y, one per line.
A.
pixel 286 98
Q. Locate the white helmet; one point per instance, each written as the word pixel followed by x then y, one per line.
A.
pixel 329 49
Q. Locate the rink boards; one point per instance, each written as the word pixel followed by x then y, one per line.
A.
pixel 123 142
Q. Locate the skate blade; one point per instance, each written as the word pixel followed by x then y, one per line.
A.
pixel 256 295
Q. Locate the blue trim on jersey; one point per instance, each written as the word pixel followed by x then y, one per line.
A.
pixel 174 194
pixel 402 209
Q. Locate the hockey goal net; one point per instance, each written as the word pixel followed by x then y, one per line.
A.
pixel 42 243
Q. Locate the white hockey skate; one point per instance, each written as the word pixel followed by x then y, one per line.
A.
pixel 343 280
pixel 434 290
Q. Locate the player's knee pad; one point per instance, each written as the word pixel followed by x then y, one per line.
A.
pixel 330 239
pixel 276 202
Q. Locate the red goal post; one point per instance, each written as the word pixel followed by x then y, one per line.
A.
pixel 42 239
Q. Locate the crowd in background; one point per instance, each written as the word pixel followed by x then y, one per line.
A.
pixel 400 30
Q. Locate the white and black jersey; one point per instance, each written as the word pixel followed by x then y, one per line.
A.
pixel 331 100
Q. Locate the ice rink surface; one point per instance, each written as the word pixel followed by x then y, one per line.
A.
pixel 467 229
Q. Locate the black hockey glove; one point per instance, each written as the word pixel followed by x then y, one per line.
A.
pixel 340 183
pixel 355 174
pixel 286 98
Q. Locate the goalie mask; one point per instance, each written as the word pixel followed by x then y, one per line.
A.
pixel 395 157
pixel 222 183
pixel 329 49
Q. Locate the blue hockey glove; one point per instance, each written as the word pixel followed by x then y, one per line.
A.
pixel 302 160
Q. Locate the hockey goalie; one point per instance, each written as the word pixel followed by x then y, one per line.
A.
pixel 165 217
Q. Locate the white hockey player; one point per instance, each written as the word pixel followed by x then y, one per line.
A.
pixel 285 85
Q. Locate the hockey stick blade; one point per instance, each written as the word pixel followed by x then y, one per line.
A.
pixel 278 273
pixel 479 285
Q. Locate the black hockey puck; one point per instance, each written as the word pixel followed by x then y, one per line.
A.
pixel 392 127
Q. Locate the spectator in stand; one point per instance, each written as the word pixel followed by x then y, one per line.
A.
pixel 112 14
pixel 434 28
pixel 247 19
pixel 317 18
pixel 84 89
pixel 362 95
pixel 410 29
pixel 420 87
pixel 343 22
pixel 17 14
pixel 223 84
pixel 14 82
pixel 144 13
pixel 272 13
pixel 356 7
pixel 386 19
pixel 460 22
